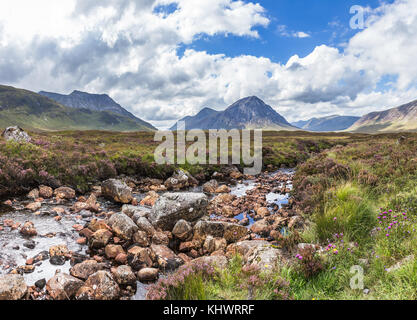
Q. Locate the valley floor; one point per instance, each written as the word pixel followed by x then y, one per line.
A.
pixel 349 209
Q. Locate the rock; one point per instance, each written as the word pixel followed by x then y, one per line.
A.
pixel 401 263
pixel 223 189
pixel 263 212
pixel 150 199
pixel 261 227
pixel 65 193
pixel 139 258
pixel 59 250
pixel 160 238
pixel 124 275
pixel 100 238
pixel 182 230
pixel 123 226
pixel 16 134
pixel 218 261
pixel 172 207
pixel 112 251
pixel 117 191
pixel 96 225
pixel 219 229
pixel 132 211
pixel 99 286
pixel 166 258
pixel 214 244
pixel 235 174
pixel 34 194
pixel 57 260
pixel 63 286
pixel 12 287
pixel 28 229
pixel 179 180
pixel 257 252
pixel 144 225
pixel 141 238
pixel 211 186
pixel 29 244
pixel 34 206
pixel 40 284
pixel 45 192
pixel 86 268
pixel 121 258
pixel 148 274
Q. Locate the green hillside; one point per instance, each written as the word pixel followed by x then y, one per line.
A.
pixel 32 111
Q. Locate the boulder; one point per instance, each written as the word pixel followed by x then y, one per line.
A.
pixel 141 239
pixel 148 274
pixel 150 199
pixel 65 193
pixel 144 225
pixel 63 286
pixel 34 194
pixel 182 230
pixel 160 237
pixel 28 229
pixel 117 191
pixel 99 286
pixel 179 180
pixel 231 232
pixel 123 226
pixel 113 250
pixel 12 287
pixel 124 275
pixel 45 192
pixel 86 268
pixel 16 134
pixel 59 250
pixel 214 244
pixel 257 252
pixel 223 189
pixel 166 258
pixel 100 238
pixel 261 227
pixel 211 186
pixel 139 258
pixel 172 207
pixel 135 212
pixel 34 206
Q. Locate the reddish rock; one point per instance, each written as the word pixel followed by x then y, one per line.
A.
pixel 63 286
pixel 45 192
pixel 100 238
pixel 34 206
pixel 65 193
pixel 99 286
pixel 112 251
pixel 124 275
pixel 150 199
pixel 28 229
pixel 85 269
pixel 148 274
pixel 82 241
pixel 121 258
pixel 139 258
pixel 141 238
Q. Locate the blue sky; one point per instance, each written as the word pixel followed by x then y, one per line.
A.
pixel 326 21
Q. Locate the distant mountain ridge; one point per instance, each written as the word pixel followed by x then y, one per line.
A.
pixel 33 111
pixel 247 113
pixel 95 102
pixel 327 124
pixel 402 118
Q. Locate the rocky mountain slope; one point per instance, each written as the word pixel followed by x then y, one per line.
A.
pixel 402 118
pixel 247 113
pixel 326 124
pixel 95 102
pixel 30 110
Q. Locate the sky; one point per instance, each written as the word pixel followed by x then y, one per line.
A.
pixel 166 59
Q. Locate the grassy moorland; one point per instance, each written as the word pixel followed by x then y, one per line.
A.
pixel 82 158
pixel 359 200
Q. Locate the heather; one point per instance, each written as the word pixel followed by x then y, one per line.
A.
pixel 81 158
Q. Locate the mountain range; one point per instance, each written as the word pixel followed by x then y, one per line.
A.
pixel 247 113
pixel 326 124
pixel 402 118
pixel 31 110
